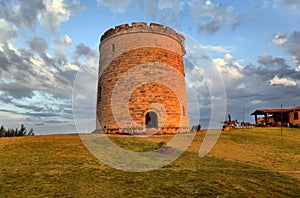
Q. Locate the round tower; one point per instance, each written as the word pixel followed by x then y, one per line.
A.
pixel 141 87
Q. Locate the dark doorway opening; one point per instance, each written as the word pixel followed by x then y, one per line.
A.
pixel 151 120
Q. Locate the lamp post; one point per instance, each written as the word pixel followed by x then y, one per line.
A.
pixel 243 114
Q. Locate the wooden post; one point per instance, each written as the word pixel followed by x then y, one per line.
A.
pixel 266 118
pixel 281 121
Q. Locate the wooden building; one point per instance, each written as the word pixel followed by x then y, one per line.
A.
pixel 276 117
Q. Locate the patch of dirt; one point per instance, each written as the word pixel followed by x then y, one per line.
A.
pixel 167 150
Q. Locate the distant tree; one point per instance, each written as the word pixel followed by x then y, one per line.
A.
pixel 2 131
pixel 21 132
pixel 9 133
pixel 30 133
pixel 15 132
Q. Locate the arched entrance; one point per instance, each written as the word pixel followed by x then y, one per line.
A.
pixel 151 120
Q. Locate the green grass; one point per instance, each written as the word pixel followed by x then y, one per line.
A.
pixel 244 163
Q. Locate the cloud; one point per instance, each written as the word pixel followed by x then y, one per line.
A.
pixel 291 43
pixel 174 5
pixel 163 11
pixel 230 71
pixel 282 81
pixel 29 71
pixel 49 13
pixel 258 80
pixel 291 5
pixel 116 6
pixel 36 76
pixel 22 14
pixel 293 47
pixel 64 42
pixel 8 32
pixel 8 111
pixel 267 84
pixel 168 11
pixel 38 45
pixel 54 121
pixel 279 39
pixel 47 114
pixel 218 48
pixel 61 46
pixel 57 11
pixel 267 62
pixel 259 5
pixel 81 50
pixel 266 59
pixel 196 77
pixel 229 67
pixel 211 16
pixel 30 107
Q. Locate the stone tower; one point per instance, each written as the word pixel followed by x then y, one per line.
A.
pixel 141 87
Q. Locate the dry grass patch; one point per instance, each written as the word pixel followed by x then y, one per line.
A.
pixel 242 163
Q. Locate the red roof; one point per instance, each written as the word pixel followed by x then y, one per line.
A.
pixel 284 110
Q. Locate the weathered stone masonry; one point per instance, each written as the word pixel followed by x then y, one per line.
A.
pixel 152 105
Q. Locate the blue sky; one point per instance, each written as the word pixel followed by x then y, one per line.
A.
pixel 254 45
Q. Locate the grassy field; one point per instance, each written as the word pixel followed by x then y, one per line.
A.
pixel 254 162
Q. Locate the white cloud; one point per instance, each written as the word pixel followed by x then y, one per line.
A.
pixel 11 47
pixel 70 67
pixel 228 67
pixel 47 13
pixel 57 11
pixel 67 39
pixel 208 2
pixel 37 61
pixel 64 42
pixel 43 72
pixel 280 39
pixel 282 81
pixel 8 32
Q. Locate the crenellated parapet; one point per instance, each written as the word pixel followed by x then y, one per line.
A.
pixel 142 27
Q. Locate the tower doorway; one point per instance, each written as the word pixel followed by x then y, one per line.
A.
pixel 151 120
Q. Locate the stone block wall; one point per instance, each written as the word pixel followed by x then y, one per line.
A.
pixel 140 71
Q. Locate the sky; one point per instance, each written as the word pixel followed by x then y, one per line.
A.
pixel 49 55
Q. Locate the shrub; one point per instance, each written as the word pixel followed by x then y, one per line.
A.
pixel 161 144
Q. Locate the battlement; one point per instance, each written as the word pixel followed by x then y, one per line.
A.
pixel 137 27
